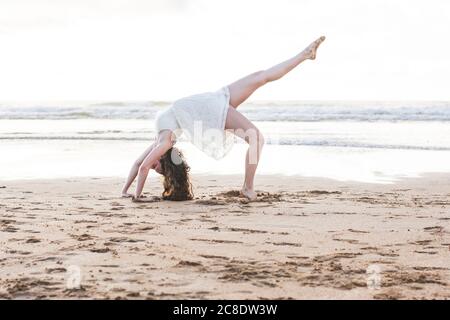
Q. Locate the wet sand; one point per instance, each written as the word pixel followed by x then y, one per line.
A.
pixel 303 238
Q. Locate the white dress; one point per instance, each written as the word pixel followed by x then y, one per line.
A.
pixel 201 118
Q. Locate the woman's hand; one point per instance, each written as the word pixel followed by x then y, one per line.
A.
pixel 150 161
pixel 137 199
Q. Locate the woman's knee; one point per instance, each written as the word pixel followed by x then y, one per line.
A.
pixel 255 137
pixel 256 143
pixel 261 140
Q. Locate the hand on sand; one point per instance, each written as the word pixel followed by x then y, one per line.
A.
pixel 310 51
pixel 249 194
pixel 137 199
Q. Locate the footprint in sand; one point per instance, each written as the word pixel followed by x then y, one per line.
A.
pixel 100 250
pixel 358 231
pixel 33 240
pixel 285 244
pixel 319 192
pixel 117 206
pixel 434 230
pixel 85 208
pixel 124 239
pixel 235 196
pixel 230 194
pixel 85 221
pixel 211 202
pixel 425 252
pixel 246 230
pixel 215 240
pixel 146 228
pixel 55 270
pixel 10 229
pixel 24 253
pixel 147 200
pixel 82 237
pixel 184 263
pixel 351 241
pixel 421 242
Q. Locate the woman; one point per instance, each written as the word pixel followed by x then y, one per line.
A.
pixel 208 119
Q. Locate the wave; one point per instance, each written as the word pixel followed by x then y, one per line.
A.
pixel 92 112
pixel 352 111
pixel 282 141
pixel 257 111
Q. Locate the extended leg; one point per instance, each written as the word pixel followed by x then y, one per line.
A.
pixel 243 88
pixel 245 129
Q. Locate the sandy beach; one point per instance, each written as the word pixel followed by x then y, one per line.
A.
pixel 304 238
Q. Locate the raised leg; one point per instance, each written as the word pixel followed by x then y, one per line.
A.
pixel 245 129
pixel 243 88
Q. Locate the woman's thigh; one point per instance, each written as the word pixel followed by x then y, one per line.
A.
pixel 242 89
pixel 238 124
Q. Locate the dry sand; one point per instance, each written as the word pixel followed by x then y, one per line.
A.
pixel 303 238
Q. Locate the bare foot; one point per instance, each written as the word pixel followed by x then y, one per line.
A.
pixel 127 195
pixel 249 194
pixel 310 51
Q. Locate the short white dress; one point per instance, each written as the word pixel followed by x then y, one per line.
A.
pixel 201 118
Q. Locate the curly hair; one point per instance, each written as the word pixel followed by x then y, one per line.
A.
pixel 177 184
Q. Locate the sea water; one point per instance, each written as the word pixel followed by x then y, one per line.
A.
pixel 374 141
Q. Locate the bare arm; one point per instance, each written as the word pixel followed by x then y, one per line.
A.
pixel 134 170
pixel 149 163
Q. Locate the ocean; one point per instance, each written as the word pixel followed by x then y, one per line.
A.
pixel 377 142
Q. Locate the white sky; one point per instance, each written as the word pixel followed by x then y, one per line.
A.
pixel 165 49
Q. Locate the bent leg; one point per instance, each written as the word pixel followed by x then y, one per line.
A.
pixel 246 130
pixel 243 88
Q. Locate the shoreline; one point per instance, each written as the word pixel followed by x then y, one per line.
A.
pixel 400 179
pixel 304 238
